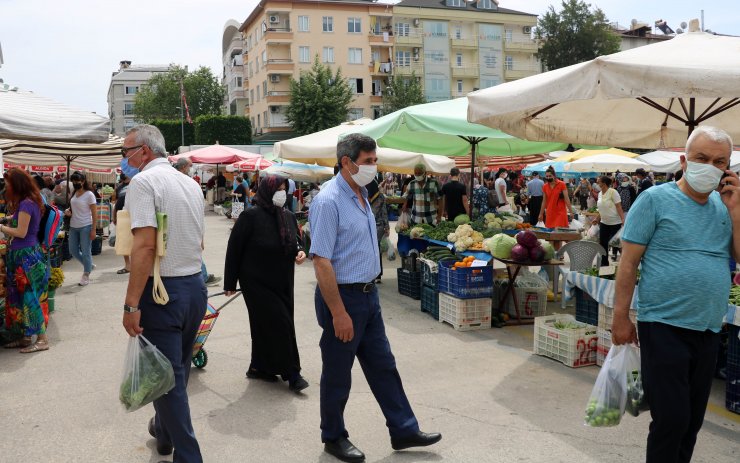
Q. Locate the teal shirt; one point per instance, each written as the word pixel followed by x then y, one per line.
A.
pixel 684 278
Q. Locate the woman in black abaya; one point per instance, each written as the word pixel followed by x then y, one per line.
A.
pixel 262 252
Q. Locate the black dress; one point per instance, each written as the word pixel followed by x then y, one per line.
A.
pixel 256 258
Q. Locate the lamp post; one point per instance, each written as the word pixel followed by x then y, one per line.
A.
pixel 182 126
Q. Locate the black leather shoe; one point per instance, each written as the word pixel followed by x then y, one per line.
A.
pixel 344 450
pixel 298 385
pixel 253 373
pixel 162 448
pixel 420 439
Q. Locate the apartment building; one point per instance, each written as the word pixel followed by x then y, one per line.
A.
pixel 282 38
pixel 124 85
pixel 457 46
pixel 232 77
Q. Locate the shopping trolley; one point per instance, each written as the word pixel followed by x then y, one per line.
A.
pixel 200 357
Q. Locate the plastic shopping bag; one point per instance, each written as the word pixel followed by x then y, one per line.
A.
pixel 616 241
pixel 147 374
pixel 404 222
pixel 384 244
pixel 391 252
pixel 575 225
pixel 112 236
pixel 540 224
pixel 610 394
pixel 593 233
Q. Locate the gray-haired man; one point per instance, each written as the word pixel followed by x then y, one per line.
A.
pixel 159 188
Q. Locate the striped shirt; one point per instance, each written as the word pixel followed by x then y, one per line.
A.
pixel 161 188
pixel 344 232
pixel 424 200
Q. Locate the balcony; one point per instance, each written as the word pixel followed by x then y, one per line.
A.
pixel 416 66
pixel 413 38
pixel 280 66
pixel 465 43
pixel 380 39
pixel 529 46
pixel 237 93
pixel 456 94
pixel 236 46
pixel 376 98
pixel 279 35
pixel 514 72
pixel 466 71
pixel 381 68
pixel 278 97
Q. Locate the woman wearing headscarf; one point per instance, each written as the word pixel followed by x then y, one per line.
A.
pixel 377 204
pixel 261 256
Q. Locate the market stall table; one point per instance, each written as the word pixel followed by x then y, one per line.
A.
pixel 512 279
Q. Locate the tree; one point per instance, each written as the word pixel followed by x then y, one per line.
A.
pixel 226 130
pixel 318 100
pixel 574 35
pixel 402 93
pixel 160 97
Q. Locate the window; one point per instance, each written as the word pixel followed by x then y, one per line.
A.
pixel 355 113
pixel 507 35
pixel 403 29
pixel 259 124
pixel 377 89
pixel 327 24
pixel 251 96
pixel 459 86
pixel 458 60
pixel 304 55
pixel 328 54
pixel 239 82
pixel 356 86
pixel 128 124
pixel 264 87
pixel 375 56
pixel 257 64
pixel 403 58
pixel 486 5
pixel 250 69
pixel 438 85
pixel 128 109
pixel 458 32
pixel 264 118
pixel 437 29
pixel 509 63
pixel 455 2
pixel 264 57
pixel 131 89
pixel 436 57
pixel 253 126
pixel 303 24
pixel 258 92
pixel 353 25
pixel 377 112
pixel 485 83
pixel 490 60
pixel 355 56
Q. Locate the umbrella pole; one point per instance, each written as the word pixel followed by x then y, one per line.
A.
pixel 473 145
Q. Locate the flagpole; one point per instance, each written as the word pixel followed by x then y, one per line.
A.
pixel 182 125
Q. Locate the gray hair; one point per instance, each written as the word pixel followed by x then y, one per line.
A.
pixel 181 163
pixel 352 144
pixel 150 136
pixel 712 133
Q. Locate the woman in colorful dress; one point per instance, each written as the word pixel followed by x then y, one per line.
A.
pixel 27 272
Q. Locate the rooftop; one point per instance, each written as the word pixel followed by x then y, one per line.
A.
pixel 261 6
pixel 468 6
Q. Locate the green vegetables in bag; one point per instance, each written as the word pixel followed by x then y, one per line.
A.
pixel 148 375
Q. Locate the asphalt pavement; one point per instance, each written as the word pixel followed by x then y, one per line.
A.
pixel 492 400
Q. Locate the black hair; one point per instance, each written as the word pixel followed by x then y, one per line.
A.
pixel 606 180
pixel 80 177
pixel 454 172
pixel 39 182
pixel 352 145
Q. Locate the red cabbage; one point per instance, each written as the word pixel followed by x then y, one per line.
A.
pixel 520 253
pixel 527 239
pixel 537 254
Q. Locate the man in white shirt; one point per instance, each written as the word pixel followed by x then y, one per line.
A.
pixel 159 188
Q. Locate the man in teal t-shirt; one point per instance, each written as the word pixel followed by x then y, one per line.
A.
pixel 683 234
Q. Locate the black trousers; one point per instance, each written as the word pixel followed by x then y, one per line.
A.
pixel 606 233
pixel 677 368
pixel 535 203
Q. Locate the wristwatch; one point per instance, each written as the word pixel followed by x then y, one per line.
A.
pixel 129 309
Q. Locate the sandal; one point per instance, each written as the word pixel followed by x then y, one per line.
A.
pixel 23 342
pixel 38 346
pixel 123 271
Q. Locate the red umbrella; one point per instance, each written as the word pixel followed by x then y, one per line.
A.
pixel 216 154
pixel 252 164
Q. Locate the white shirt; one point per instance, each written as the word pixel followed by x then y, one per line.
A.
pixel 161 188
pixel 607 206
pixel 81 214
pixel 500 182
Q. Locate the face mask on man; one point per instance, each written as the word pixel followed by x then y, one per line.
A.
pixel 365 174
pixel 279 198
pixel 128 170
pixel 419 178
pixel 702 178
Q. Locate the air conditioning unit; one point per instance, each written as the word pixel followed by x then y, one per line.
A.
pixel 274 19
pixel 274 109
pixel 527 29
pixel 274 78
pixel 416 22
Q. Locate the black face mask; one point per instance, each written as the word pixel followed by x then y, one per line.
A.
pixel 77 186
pixel 549 179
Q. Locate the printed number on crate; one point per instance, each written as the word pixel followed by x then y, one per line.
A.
pixel 585 350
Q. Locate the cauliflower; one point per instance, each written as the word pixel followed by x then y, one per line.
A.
pixel 489 217
pixel 468 241
pixel 508 224
pixel 464 230
pixel 477 237
pixel 460 246
pixel 416 232
pixel 452 237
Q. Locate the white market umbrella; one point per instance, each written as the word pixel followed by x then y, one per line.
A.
pixel 670 161
pixel 646 97
pixel 299 171
pixel 606 163
pixel 321 148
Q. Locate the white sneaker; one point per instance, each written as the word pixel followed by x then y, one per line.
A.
pixel 85 280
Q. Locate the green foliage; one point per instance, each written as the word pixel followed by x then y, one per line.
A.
pixel 402 93
pixel 574 35
pixel 226 130
pixel 160 97
pixel 171 130
pixel 318 100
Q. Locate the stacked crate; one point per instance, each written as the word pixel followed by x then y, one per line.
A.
pixel 409 277
pixel 732 396
pixel 465 296
pixel 429 287
pixel 573 345
pixel 606 317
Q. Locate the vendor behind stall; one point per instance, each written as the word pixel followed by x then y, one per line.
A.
pixel 423 197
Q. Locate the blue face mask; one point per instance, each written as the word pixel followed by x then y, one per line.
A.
pixel 128 171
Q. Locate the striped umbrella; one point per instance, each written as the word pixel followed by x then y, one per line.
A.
pixel 49 153
pixel 495 162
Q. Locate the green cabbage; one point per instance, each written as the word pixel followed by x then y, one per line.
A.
pixel 500 245
pixel 549 249
pixel 462 219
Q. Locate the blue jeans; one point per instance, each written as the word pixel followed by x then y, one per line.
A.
pixel 80 246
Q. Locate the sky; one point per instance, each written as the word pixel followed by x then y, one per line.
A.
pixel 67 50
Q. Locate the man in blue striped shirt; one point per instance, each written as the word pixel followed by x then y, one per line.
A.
pixel 345 252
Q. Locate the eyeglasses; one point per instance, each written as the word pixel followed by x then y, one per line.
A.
pixel 124 151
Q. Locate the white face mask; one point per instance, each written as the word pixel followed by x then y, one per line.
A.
pixel 702 178
pixel 419 178
pixel 365 174
pixel 279 198
pixel 625 183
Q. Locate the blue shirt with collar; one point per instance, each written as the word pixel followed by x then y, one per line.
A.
pixel 344 232
pixel 534 187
